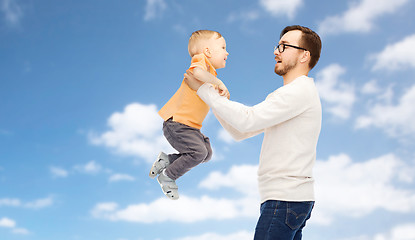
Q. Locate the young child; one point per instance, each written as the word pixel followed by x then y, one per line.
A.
pixel 184 113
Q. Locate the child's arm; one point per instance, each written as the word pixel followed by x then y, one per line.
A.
pixel 204 76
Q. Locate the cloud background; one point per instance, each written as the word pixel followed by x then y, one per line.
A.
pixel 81 84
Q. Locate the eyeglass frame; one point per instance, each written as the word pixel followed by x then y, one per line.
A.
pixel 287 45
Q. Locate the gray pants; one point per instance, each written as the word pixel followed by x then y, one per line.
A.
pixel 193 147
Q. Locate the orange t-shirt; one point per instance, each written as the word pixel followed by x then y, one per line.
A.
pixel 186 106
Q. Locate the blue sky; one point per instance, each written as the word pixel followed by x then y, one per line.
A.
pixel 81 83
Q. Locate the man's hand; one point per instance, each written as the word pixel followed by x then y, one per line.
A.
pixel 190 79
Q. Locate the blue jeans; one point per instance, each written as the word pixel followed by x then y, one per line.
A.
pixel 280 220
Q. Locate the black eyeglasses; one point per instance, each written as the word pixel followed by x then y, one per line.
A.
pixel 281 47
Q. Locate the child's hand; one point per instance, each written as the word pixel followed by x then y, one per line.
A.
pixel 223 91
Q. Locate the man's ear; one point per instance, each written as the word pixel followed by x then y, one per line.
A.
pixel 207 52
pixel 305 57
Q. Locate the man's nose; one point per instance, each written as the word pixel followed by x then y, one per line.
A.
pixel 276 52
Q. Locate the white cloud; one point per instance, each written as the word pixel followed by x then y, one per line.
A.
pixel 376 94
pixel 21 231
pixel 11 202
pixel 401 232
pixel 104 207
pixel 396 56
pixel 7 222
pixel 242 178
pixel 361 237
pixel 105 210
pixel 121 177
pixel 343 188
pixel 58 172
pixel 355 189
pixel 281 7
pixel 154 9
pixel 393 119
pixel 12 12
pixel 183 210
pixel 10 223
pixel 136 132
pixel 371 87
pixel 335 92
pixel 225 136
pixel 40 203
pixel 35 204
pixel 360 16
pixel 242 235
pixel 89 168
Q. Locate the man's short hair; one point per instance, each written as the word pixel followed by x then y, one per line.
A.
pixel 310 40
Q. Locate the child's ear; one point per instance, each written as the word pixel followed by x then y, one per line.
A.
pixel 207 52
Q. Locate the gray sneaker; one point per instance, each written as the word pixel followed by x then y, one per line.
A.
pixel 168 186
pixel 159 165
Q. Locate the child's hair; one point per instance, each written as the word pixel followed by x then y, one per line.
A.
pixel 195 40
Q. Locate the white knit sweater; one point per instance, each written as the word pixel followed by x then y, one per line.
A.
pixel 290 118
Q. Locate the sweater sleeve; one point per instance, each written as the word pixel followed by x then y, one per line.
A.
pixel 278 107
pixel 237 135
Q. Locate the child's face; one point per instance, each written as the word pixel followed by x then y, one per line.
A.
pixel 218 53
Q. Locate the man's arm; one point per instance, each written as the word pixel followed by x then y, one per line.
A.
pixel 237 135
pixel 276 109
pixel 195 84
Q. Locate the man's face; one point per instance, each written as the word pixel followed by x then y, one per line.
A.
pixel 288 59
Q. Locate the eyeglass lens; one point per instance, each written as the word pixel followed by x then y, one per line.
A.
pixel 280 47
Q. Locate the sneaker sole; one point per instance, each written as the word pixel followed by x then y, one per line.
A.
pixel 153 173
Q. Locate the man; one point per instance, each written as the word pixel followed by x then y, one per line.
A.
pixel 290 118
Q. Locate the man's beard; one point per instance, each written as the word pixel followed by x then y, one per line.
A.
pixel 285 69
